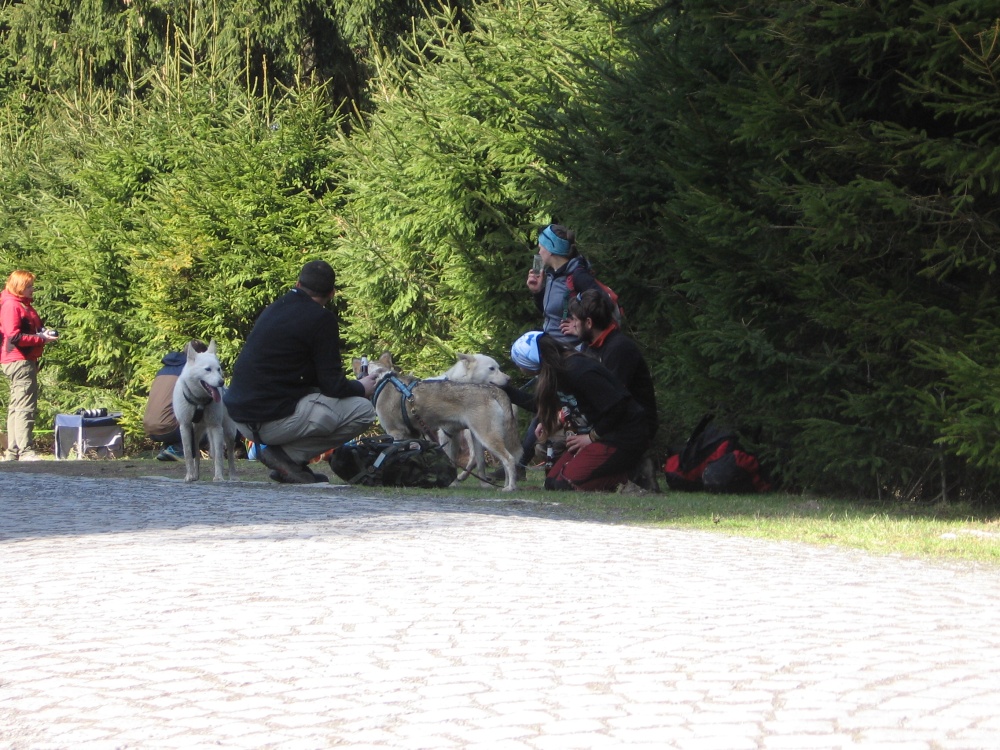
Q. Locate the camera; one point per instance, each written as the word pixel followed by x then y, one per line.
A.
pixel 50 332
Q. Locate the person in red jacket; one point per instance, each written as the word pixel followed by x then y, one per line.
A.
pixel 24 338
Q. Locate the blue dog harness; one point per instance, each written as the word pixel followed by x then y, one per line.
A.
pixel 406 391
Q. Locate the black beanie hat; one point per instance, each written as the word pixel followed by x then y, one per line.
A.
pixel 317 276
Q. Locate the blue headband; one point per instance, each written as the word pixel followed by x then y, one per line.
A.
pixel 553 242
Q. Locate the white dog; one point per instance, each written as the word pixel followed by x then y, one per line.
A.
pixel 475 368
pixel 199 409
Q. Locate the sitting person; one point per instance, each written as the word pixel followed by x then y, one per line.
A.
pixel 289 393
pixel 560 259
pixel 158 421
pixel 592 320
pixel 603 457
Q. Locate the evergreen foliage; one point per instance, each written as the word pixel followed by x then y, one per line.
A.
pixel 441 191
pixel 118 46
pixel 796 201
pixel 815 182
pixel 153 222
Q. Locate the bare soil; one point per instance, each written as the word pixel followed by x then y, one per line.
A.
pixel 131 467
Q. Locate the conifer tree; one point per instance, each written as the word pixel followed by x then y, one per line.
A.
pixel 814 183
pixel 441 193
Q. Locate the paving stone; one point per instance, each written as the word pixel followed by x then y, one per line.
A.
pixel 141 614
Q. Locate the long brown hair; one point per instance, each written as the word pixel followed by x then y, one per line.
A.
pixel 552 357
pixel 18 281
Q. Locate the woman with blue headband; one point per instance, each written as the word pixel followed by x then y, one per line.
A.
pixel 550 287
pixel 560 260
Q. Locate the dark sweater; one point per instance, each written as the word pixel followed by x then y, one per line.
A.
pixel 621 355
pixel 293 350
pixel 604 402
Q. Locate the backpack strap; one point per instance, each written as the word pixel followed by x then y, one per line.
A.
pixel 687 455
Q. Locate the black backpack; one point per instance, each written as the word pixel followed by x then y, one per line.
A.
pixel 384 461
pixel 712 461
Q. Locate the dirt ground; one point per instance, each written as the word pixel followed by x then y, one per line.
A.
pixel 145 465
pixel 142 466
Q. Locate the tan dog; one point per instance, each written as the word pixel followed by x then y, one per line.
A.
pixel 409 407
pixel 472 368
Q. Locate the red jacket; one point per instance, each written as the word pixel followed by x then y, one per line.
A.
pixel 19 324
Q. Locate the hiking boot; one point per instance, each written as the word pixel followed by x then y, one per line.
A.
pixel 276 476
pixel 170 453
pixel 29 455
pixel 274 458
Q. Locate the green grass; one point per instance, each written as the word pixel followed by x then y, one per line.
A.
pixel 957 532
pixel 942 531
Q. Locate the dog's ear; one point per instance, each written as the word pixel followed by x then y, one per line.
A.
pixel 192 355
pixel 467 358
pixel 211 347
pixel 386 361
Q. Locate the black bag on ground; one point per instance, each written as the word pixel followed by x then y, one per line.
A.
pixel 385 462
pixel 713 461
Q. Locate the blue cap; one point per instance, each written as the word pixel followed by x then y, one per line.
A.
pixel 524 352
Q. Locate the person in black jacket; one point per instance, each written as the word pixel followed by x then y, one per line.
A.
pixel 601 455
pixel 289 392
pixel 592 320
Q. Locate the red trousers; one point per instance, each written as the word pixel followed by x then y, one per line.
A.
pixel 597 467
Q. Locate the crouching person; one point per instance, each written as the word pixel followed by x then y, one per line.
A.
pixel 618 432
pixel 288 390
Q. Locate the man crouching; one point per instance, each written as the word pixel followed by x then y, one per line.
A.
pixel 288 391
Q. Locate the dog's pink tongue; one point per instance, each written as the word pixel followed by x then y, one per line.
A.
pixel 212 391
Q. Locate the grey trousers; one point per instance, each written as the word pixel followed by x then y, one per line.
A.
pixel 22 407
pixel 318 424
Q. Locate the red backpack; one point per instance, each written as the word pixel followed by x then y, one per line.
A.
pixel 711 461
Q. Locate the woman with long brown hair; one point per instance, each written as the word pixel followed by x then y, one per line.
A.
pixel 24 338
pixel 610 439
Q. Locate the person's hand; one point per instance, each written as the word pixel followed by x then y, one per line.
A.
pixel 576 442
pixel 368 381
pixel 540 435
pixel 48 334
pixel 569 327
pixel 535 282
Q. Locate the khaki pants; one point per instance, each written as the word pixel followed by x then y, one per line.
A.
pixel 318 424
pixel 21 409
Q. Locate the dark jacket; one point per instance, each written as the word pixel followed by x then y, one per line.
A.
pixel 293 350
pixel 604 402
pixel 621 355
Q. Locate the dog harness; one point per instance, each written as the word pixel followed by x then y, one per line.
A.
pixel 199 408
pixel 406 391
